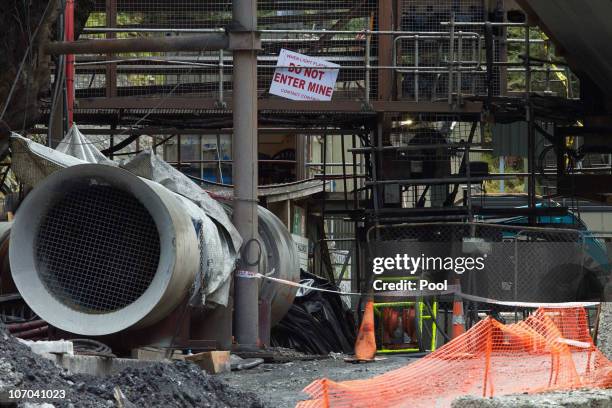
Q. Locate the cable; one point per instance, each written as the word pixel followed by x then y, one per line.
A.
pixel 132 126
pixel 91 347
pixel 151 110
pixel 23 60
pixel 162 100
pixel 244 253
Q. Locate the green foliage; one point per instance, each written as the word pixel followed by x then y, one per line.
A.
pixel 130 19
pixel 538 50
pixel 514 165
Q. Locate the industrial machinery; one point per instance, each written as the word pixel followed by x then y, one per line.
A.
pixel 97 251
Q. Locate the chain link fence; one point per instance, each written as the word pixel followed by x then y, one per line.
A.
pixel 523 264
pixel 423 57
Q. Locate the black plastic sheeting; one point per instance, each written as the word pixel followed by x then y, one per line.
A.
pixel 317 323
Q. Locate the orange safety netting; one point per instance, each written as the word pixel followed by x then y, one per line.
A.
pixel 550 350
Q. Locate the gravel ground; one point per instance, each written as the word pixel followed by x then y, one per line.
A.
pixel 280 385
pixel 178 384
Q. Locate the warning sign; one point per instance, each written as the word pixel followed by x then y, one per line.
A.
pixel 303 78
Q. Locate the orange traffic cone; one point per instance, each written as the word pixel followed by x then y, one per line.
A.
pixel 365 346
pixel 458 320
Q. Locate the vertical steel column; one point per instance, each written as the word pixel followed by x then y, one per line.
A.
pixel 324 178
pixel 245 176
pixel 451 58
pixel 113 127
pixel 416 66
pixel 531 185
pixel 368 68
pixel 111 68
pixel 468 171
pixel 178 151
pixel 219 158
pixel 386 22
pixel 459 63
pixel 69 36
pixel 354 163
pixel 221 78
pixel 344 175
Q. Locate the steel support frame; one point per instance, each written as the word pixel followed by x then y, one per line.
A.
pixel 245 176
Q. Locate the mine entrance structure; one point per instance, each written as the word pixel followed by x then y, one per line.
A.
pixel 98 251
pixel 426 92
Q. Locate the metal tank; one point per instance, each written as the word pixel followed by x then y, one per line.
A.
pixel 96 250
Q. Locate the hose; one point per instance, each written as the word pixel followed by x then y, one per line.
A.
pixel 91 347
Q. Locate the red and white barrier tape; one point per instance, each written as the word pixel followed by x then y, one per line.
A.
pixel 453 289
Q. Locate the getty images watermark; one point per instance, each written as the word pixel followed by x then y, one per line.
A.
pixel 403 264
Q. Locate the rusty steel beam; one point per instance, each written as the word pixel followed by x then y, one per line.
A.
pixel 385 48
pixel 156 130
pixel 338 106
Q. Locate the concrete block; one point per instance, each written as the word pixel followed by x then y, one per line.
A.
pixel 582 398
pixel 213 362
pixel 95 365
pixel 54 346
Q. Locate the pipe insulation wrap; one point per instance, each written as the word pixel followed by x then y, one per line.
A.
pixel 96 250
pixel 281 262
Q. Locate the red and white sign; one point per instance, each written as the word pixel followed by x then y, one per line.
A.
pixel 303 78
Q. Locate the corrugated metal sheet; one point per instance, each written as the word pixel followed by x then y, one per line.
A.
pixel 510 139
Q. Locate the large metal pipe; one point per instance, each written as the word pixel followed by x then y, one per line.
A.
pixel 199 42
pixel 96 250
pixel 17 327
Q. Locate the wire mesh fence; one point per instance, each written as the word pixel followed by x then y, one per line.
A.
pixel 525 264
pixel 431 60
pixel 422 158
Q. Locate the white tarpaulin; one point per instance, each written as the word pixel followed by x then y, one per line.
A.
pixel 303 78
pixel 33 162
pixel 77 145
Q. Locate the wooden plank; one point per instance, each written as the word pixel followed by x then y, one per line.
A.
pixel 213 362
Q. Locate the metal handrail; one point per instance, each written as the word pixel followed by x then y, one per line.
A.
pixel 454 66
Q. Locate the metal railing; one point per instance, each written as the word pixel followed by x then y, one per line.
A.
pixel 543 263
pixel 447 64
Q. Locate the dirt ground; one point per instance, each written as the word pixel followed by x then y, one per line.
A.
pixel 280 385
